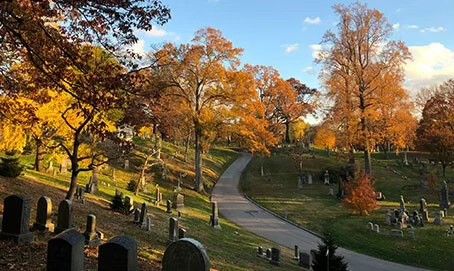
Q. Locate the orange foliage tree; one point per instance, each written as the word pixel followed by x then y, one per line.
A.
pixel 360 195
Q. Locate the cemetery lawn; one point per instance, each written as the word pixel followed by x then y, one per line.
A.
pixel 229 249
pixel 312 207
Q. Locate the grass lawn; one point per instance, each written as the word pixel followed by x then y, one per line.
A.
pixel 314 209
pixel 229 249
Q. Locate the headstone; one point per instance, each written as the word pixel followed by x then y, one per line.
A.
pixel 309 178
pixel 305 260
pixel 444 196
pixel 425 216
pixel 119 254
pixel 422 205
pixel 143 215
pixel 173 229
pixel 402 204
pixel 148 223
pixel 126 166
pixel 214 217
pixel 331 191
pixel 181 233
pixel 296 253
pixel 65 216
pixel 16 219
pixel 275 256
pixel 168 207
pixel 50 168
pixel 377 228
pixel 185 255
pixel 438 218
pixel 157 196
pixel 326 178
pixel 380 196
pixel 450 231
pixel 259 251
pixel 370 226
pixel 178 201
pixel 43 215
pixel 268 253
pixel 136 215
pixel 129 204
pixel 65 252
pixel 91 237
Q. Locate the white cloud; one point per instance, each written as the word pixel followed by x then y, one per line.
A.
pixel 139 47
pixel 316 49
pixel 412 26
pixel 156 32
pixel 309 70
pixel 315 20
pixel 396 26
pixel 431 65
pixel 291 48
pixel 433 29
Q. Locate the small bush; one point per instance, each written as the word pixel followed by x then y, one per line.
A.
pixel 10 167
pixel 118 204
pixel 132 185
pixel 360 195
pixel 336 263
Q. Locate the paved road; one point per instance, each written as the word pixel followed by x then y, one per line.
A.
pixel 236 208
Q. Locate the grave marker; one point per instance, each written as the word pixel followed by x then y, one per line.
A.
pixel 119 254
pixel 43 215
pixel 65 216
pixel 16 217
pixel 65 252
pixel 185 255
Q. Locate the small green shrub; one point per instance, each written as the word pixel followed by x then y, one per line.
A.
pixel 325 251
pixel 132 185
pixel 10 167
pixel 118 204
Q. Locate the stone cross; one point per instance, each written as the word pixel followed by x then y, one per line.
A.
pixel 214 217
pixel 65 216
pixel 173 229
pixel 65 252
pixel 43 215
pixel 120 253
pixel 186 254
pixel 91 237
pixel 275 256
pixel 16 219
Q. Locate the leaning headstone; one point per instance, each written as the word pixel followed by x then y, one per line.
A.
pixel 186 255
pixel 305 260
pixel 65 216
pixel 275 256
pixel 168 207
pixel 143 215
pixel 444 196
pixel 214 217
pixel 91 237
pixel 16 217
pixel 65 252
pixel 43 215
pixel 178 201
pixel 173 229
pixel 181 233
pixel 326 178
pixel 120 253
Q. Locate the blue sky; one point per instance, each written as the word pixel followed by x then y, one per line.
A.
pixel 285 33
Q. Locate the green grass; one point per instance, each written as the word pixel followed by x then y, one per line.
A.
pixel 314 209
pixel 229 249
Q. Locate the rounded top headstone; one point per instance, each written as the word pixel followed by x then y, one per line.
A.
pixel 186 254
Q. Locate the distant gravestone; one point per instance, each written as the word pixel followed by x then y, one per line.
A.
pixel 65 216
pixel 438 218
pixel 143 215
pixel 119 254
pixel 309 178
pixel 65 252
pixel 90 234
pixel 268 253
pixel 275 256
pixel 186 255
pixel 377 228
pixel 181 233
pixel 126 166
pixel 136 215
pixel 305 260
pixel 422 205
pixel 402 204
pixel 178 201
pixel 129 204
pixel 214 217
pixel 157 196
pixel 296 253
pixel 173 229
pixel 326 178
pixel 16 217
pixel 370 226
pixel 43 215
pixel 169 207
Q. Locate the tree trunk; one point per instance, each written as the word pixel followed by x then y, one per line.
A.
pixel 364 129
pixel 140 182
pixel 73 184
pixel 387 150
pixel 287 132
pixel 39 155
pixel 198 158
pixel 443 165
pixel 405 156
pixel 186 148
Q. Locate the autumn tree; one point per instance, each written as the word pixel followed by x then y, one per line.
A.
pixel 435 132
pixel 325 138
pixel 360 195
pixel 360 51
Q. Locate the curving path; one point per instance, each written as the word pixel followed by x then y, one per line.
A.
pixel 236 208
